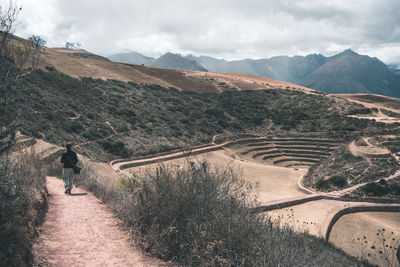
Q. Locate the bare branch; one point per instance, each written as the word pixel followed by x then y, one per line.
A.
pixel 15 57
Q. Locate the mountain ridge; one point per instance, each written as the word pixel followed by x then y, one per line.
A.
pixel 168 60
pixel 345 72
pixel 175 61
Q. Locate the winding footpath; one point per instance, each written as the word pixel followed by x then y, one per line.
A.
pixel 79 230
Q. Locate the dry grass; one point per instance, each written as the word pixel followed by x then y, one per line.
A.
pixel 23 201
pixel 71 63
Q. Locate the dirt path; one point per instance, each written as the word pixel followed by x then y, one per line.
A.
pixel 81 231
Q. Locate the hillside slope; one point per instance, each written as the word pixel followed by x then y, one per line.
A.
pixel 80 53
pixel 198 81
pixel 109 119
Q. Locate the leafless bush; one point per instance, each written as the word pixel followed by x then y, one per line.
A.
pixel 17 59
pixel 22 205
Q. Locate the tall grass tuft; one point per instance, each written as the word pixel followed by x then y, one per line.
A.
pixel 23 202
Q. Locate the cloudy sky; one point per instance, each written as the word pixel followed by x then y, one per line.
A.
pixel 230 29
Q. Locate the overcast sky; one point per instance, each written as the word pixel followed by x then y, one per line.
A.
pixel 230 29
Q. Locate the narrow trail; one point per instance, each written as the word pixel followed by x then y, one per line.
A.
pixel 81 231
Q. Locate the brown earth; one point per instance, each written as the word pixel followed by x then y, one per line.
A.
pixel 368 149
pixel 371 98
pixel 76 66
pixel 79 230
pixel 374 101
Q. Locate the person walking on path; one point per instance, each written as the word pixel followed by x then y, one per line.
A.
pixel 69 159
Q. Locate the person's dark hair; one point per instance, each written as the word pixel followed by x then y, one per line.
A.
pixel 68 146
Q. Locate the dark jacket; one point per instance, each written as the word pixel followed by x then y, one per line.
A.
pixel 69 159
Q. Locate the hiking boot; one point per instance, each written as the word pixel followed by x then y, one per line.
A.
pixel 69 191
pixel 66 191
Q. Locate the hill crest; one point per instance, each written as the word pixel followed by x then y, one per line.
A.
pixel 76 65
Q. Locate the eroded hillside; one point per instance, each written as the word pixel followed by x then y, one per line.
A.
pixel 83 64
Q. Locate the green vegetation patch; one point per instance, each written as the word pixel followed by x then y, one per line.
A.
pixel 383 189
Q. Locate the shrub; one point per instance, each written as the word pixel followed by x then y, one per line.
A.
pixel 361 142
pixel 338 181
pixel 388 189
pixel 115 148
pixel 129 182
pixel 323 184
pixel 23 202
pixel 374 189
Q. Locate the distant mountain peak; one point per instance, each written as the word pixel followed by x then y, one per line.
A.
pixel 349 52
pixel 132 57
pixel 171 54
pixel 176 61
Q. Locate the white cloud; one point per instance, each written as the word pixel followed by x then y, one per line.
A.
pixel 231 29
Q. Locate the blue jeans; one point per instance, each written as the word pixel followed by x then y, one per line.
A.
pixel 68 176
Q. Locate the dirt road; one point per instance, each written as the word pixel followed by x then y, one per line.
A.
pixel 81 231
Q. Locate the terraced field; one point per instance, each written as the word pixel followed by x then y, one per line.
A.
pixel 276 165
pixel 299 152
pixel 273 164
pixel 374 236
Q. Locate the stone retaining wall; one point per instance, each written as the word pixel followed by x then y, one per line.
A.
pixel 185 154
pixel 288 203
pixel 296 159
